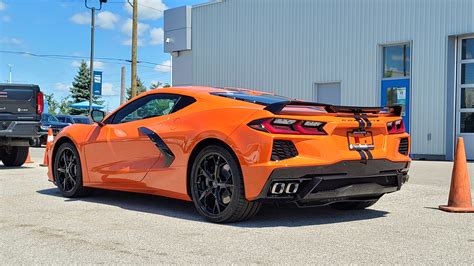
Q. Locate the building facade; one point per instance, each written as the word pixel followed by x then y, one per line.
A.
pixel 416 53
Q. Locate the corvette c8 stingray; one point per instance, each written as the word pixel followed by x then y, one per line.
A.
pixel 230 150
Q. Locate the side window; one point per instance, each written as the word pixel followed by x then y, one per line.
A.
pixel 146 107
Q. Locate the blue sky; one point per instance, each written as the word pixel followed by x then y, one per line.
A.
pixel 62 27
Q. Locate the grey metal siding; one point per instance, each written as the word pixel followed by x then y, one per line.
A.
pixel 285 46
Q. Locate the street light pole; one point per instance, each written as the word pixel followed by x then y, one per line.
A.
pixel 91 64
pixel 10 71
pixel 91 91
pixel 134 47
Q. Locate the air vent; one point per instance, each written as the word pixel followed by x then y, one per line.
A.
pixel 283 149
pixel 403 147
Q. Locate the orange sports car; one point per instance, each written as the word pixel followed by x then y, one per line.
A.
pixel 230 150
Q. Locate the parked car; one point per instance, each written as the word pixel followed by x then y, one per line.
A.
pixel 230 150
pixel 21 107
pixel 74 119
pixel 48 121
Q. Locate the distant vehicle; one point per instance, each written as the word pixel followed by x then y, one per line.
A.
pixel 230 150
pixel 48 121
pixel 21 107
pixel 74 119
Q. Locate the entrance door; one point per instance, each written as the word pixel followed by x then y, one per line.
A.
pixel 329 93
pixel 395 87
pixel 465 95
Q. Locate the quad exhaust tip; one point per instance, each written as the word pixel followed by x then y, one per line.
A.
pixel 279 188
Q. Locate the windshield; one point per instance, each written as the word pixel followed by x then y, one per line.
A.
pixel 49 118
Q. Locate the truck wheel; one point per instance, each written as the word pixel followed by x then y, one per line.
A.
pixel 354 205
pixel 14 156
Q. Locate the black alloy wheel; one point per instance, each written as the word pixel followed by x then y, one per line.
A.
pixel 217 187
pixel 67 171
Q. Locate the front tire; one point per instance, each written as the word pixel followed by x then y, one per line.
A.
pixel 354 205
pixel 217 187
pixel 14 156
pixel 68 171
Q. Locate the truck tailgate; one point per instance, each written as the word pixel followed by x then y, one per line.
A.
pixel 18 102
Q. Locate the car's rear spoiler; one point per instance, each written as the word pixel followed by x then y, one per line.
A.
pixel 395 110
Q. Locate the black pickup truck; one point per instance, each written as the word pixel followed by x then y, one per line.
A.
pixel 21 107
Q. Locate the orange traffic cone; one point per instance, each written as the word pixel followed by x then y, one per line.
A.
pixel 28 158
pixel 49 141
pixel 460 193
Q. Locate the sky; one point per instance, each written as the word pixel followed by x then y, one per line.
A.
pixel 62 27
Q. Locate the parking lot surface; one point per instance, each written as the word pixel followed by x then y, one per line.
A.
pixel 38 225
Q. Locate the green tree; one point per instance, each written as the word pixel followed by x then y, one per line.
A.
pixel 64 106
pixel 53 105
pixel 141 88
pixel 159 84
pixel 80 90
pixel 155 85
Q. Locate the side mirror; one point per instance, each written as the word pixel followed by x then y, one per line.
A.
pixel 97 116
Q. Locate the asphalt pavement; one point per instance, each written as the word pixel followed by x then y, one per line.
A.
pixel 38 225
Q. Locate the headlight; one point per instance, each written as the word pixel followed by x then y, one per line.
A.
pixel 44 127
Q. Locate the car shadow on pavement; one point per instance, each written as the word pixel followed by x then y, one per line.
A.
pixel 269 215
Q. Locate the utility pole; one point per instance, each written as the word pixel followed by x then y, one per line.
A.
pixel 122 86
pixel 10 71
pixel 134 47
pixel 91 64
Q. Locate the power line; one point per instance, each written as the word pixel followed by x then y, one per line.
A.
pixel 60 56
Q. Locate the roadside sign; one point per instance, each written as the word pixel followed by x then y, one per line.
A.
pixel 97 88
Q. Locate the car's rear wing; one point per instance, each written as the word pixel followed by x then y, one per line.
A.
pixel 276 108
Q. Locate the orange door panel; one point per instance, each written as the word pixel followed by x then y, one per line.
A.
pixel 119 153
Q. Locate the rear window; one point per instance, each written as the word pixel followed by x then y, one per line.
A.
pixel 81 120
pixel 262 99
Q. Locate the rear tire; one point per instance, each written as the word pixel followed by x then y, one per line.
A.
pixel 353 205
pixel 68 171
pixel 217 187
pixel 14 156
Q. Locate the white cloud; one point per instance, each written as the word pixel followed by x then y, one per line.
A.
pixel 129 42
pixel 105 19
pixel 97 64
pixel 141 27
pixel 127 29
pixel 3 6
pixel 108 89
pixel 148 9
pixel 9 40
pixel 157 36
pixel 81 18
pixel 164 67
pixel 61 86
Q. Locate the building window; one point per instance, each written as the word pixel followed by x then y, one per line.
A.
pixel 396 61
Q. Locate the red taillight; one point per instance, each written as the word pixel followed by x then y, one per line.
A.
pixel 39 103
pixel 288 126
pixel 396 127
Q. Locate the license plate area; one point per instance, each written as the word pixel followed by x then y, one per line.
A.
pixel 360 140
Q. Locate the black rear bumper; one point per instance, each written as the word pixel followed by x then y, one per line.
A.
pixel 343 181
pixel 19 129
